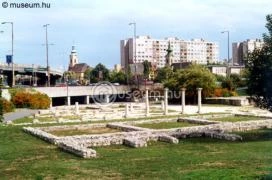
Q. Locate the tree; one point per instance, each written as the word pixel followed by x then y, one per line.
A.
pixel 147 66
pixel 1 101
pixel 69 75
pixel 259 68
pixel 197 76
pixel 98 73
pixel 118 77
pixel 164 74
pixel 87 73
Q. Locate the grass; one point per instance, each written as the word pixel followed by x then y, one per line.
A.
pixel 73 132
pixel 166 125
pixel 23 120
pixel 23 156
pixel 236 118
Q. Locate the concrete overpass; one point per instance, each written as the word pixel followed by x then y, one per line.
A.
pixel 101 92
pixel 39 72
pixel 85 94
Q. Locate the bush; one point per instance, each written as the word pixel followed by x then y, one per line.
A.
pixel 24 99
pixel 8 106
pixel 223 92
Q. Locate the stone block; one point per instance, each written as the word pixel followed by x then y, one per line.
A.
pixel 169 139
pixel 133 142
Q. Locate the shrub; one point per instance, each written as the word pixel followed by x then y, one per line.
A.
pixel 24 99
pixel 223 92
pixel 8 106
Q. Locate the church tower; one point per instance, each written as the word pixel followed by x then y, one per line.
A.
pixel 169 56
pixel 73 58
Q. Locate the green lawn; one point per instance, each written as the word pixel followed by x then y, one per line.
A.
pixel 236 118
pixel 72 132
pixel 166 125
pixel 23 156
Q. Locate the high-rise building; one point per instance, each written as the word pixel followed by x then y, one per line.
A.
pixel 155 50
pixel 240 50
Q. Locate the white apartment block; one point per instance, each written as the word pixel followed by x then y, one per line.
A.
pixel 240 50
pixel 154 50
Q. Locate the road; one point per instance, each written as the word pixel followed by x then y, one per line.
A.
pixel 19 113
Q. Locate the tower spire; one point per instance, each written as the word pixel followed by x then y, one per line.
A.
pixel 169 55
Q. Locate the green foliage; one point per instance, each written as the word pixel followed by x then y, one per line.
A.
pixel 87 74
pixel 1 106
pixel 69 75
pixel 164 74
pixel 220 78
pixel 147 66
pixel 196 76
pixel 98 73
pixel 260 71
pixel 118 77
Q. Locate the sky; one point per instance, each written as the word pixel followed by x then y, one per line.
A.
pixel 96 27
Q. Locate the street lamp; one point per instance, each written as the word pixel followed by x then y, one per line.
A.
pixel 47 62
pixel 12 63
pixel 228 45
pixel 134 25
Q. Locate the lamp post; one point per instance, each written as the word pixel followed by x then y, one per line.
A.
pixel 228 44
pixel 12 63
pixel 47 62
pixel 134 25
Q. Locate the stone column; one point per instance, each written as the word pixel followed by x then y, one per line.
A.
pixel 51 102
pixel 131 107
pixel 107 98
pixel 162 105
pixel 199 99
pixel 183 100
pixel 76 108
pixel 87 100
pixel 146 103
pixel 165 101
pixel 127 111
pixel 68 101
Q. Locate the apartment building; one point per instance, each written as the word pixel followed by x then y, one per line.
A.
pixel 240 50
pixel 155 51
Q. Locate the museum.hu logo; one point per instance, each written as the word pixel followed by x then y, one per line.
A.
pixel 16 5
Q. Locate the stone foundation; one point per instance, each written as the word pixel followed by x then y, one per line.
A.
pixel 138 137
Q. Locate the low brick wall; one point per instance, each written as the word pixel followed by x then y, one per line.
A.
pixel 74 148
pixel 138 137
pixel 41 134
pixel 125 127
pixel 234 101
pixel 196 121
pixel 73 127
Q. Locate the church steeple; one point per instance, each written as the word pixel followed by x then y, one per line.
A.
pixel 169 56
pixel 73 57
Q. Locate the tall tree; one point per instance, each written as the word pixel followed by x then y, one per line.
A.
pixel 260 71
pixel 197 76
pixel 147 67
pixel 99 73
pixel 1 102
pixel 118 77
pixel 163 74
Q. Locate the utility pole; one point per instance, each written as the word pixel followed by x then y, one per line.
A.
pixel 47 61
pixel 12 62
pixel 134 54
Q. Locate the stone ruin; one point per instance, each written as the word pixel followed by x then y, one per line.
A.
pixel 133 136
